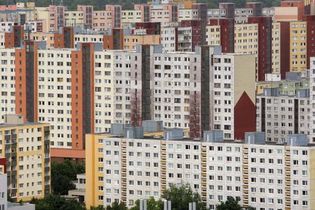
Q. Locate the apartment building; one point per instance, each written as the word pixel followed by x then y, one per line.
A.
pixel 15 37
pixel 127 169
pixel 310 20
pixel 7 82
pixel 132 40
pixel 54 85
pixel 74 18
pixel 217 26
pixel 130 17
pixel 114 92
pixel 112 88
pixel 183 36
pixel 232 97
pixel 290 11
pixel 312 97
pixel 102 20
pixel 3 191
pixel 213 35
pixel 42 13
pixel 163 13
pixel 145 11
pixel 187 14
pixel 276 48
pixel 189 35
pixel 246 39
pixel 87 11
pixel 56 17
pixel 35 26
pixel 291 117
pixel 26 149
pixel 247 42
pixel 179 92
pixel 168 38
pixel 108 18
pixel 298 46
pixel 88 38
pixel 174 93
pixel 19 16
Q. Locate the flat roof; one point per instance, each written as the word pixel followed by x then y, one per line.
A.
pixel 5 125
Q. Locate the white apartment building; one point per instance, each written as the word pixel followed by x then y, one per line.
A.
pixel 173 76
pixel 168 38
pixel 54 94
pixel 3 191
pixel 112 87
pixel 173 85
pixel 188 14
pixel 7 82
pixel 260 175
pixel 281 115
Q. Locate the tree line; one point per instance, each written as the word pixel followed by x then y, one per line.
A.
pixel 179 195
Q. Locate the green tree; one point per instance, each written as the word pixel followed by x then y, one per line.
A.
pixel 152 204
pixel 117 206
pixel 232 204
pixel 54 202
pixel 63 175
pixel 181 197
pixel 229 204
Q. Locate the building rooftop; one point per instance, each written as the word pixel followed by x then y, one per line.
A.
pixel 12 120
pixel 157 132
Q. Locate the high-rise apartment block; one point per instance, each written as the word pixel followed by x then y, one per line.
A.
pixel 233 90
pixel 312 97
pixel 84 90
pixel 82 70
pixel 258 174
pixel 291 117
pixel 26 147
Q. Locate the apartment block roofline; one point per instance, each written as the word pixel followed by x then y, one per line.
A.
pixel 216 136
